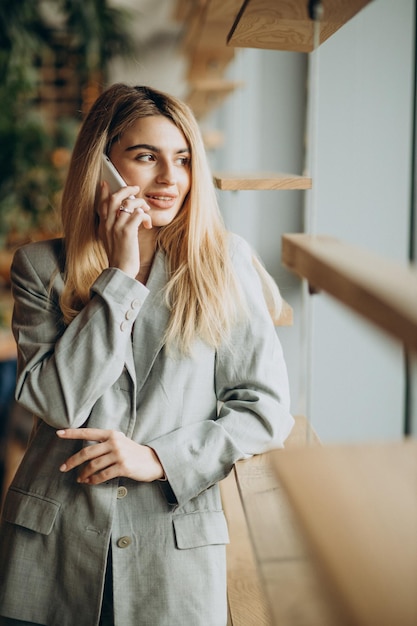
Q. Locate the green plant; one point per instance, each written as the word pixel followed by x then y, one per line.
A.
pixel 35 147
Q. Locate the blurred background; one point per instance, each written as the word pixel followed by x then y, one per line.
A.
pixel 252 104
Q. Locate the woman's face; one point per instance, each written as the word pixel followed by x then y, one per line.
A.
pixel 153 154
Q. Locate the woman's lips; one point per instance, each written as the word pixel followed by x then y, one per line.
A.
pixel 161 200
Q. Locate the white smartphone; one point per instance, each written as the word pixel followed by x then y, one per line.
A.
pixel 110 174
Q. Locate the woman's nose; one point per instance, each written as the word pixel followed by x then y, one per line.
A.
pixel 166 174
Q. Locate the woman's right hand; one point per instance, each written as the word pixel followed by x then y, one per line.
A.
pixel 121 215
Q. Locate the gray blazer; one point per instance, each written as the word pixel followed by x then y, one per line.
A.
pixel 110 369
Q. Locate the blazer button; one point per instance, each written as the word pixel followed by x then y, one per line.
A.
pixel 124 542
pixel 121 492
pixel 124 325
pixel 129 314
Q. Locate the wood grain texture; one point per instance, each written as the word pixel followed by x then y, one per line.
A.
pixel 205 37
pixel 286 25
pixel 208 94
pixel 228 181
pixel 246 599
pixel 382 291
pixel 358 506
pixel 8 349
pixel 267 547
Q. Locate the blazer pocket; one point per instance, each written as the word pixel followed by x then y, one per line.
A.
pixel 194 530
pixel 30 511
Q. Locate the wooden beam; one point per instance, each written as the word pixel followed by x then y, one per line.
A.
pixel 382 291
pixel 357 505
pixel 206 95
pixel 205 40
pixel 289 579
pixel 260 181
pixel 246 599
pixel 286 25
pixel 212 138
pixel 8 349
pixel 209 63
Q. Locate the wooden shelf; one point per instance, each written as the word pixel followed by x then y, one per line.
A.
pixel 207 24
pixel 384 292
pixel 206 95
pixel 283 25
pixel 212 139
pixel 357 505
pixel 8 350
pixel 260 181
pixel 271 576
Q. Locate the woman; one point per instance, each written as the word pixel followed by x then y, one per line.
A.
pixel 150 362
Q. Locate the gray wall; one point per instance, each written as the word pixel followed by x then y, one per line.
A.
pixel 263 124
pixel 354 389
pixel 364 144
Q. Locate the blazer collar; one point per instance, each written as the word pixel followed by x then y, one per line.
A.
pixel 150 326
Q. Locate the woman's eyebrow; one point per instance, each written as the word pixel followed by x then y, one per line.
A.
pixel 147 146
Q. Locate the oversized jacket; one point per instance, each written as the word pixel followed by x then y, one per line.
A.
pixel 110 369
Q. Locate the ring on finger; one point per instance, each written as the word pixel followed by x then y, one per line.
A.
pixel 124 208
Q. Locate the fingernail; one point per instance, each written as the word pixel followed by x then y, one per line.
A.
pixel 60 432
pixel 63 467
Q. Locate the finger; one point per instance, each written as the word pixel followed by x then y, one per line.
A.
pixel 87 434
pixel 146 219
pixel 99 477
pixel 103 206
pixel 99 466
pixel 117 200
pixel 86 455
pixel 99 471
pixel 131 205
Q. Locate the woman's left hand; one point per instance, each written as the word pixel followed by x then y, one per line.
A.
pixel 112 455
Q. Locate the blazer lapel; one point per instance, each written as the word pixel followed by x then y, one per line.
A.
pixel 151 323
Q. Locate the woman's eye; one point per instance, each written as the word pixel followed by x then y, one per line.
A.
pixel 185 161
pixel 145 157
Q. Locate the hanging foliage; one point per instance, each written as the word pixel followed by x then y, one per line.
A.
pixel 54 55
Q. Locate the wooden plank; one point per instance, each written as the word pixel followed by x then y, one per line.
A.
pixel 358 506
pixel 260 181
pixel 212 138
pixel 182 10
pixel 193 25
pixel 291 581
pixel 383 291
pixel 206 95
pixel 8 349
pixel 286 25
pixel 218 19
pixel 295 591
pixel 205 38
pixel 275 534
pixel 209 63
pixel 261 491
pixel 246 600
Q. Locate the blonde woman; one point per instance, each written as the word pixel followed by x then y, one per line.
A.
pixel 150 362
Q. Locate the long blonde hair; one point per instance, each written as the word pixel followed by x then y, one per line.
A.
pixel 202 293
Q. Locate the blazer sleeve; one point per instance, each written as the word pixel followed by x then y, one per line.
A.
pixel 62 371
pixel 252 389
